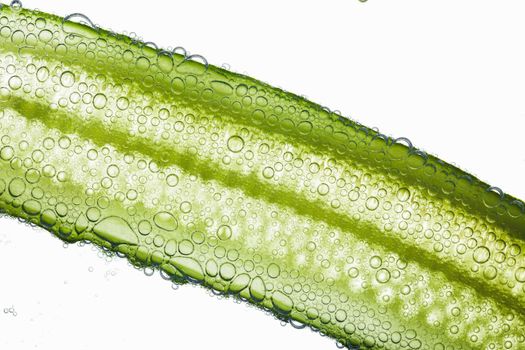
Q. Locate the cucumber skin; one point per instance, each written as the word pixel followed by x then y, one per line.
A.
pixel 299 193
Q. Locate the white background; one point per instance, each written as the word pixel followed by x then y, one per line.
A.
pixel 448 74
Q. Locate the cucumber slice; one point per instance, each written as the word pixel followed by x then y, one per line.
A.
pixel 218 179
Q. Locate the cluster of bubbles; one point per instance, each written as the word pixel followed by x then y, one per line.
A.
pixel 215 179
pixel 10 310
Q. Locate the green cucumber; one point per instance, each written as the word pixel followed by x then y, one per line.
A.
pixel 218 179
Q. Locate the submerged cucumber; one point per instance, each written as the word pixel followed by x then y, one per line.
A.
pixel 218 179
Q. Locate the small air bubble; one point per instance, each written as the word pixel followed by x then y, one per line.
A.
pixel 179 50
pixel 67 79
pixel 372 203
pixel 80 25
pixel 190 64
pixel 15 82
pixel 235 143
pixel 99 101
pixel 481 254
pixel 16 4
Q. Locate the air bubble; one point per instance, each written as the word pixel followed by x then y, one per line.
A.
pixel 211 268
pixel 178 85
pixel 18 37
pixel 17 187
pixel 185 207
pixel 268 172
pixel 80 25
pixel 165 221
pixel 221 87
pixel 239 283
pixel 400 148
pixel 144 227
pixel 31 207
pixel 375 262
pixel 61 209
pixel 258 289
pixel 310 246
pixel 64 142
pixel 42 74
pixel 481 254
pixel 198 237
pixel 179 50
pixel 158 241
pixel 7 152
pixel 405 290
pixel 93 214
pixel 164 61
pixel 172 180
pixel 186 247
pixel 15 82
pixel 195 64
pixel 189 267
pixel 490 272
pixel 372 203
pixel 113 170
pixel 40 23
pixel 227 271
pixel 16 4
pixel 67 79
pixel 323 189
pixel 143 63
pixel 273 270
pixel 382 275
pixel 122 103
pixel 520 274
pixel 81 224
pixel 353 272
pixel 171 247
pixel 417 159
pixel 99 101
pixel 282 302
pixel 492 196
pixel 235 143
pixel 340 315
pixel 516 209
pixel 224 232
pixel 48 218
pixel 45 35
pixel 403 194
pixel 115 230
